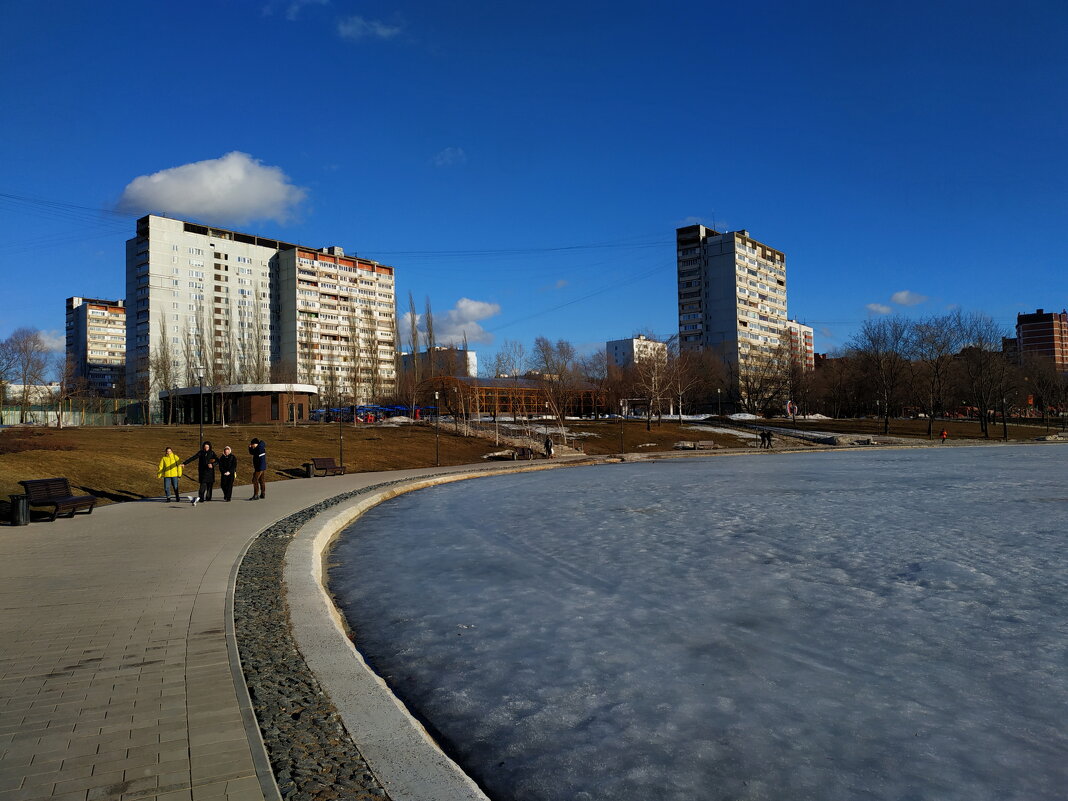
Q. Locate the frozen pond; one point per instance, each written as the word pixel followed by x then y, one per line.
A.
pixel 876 625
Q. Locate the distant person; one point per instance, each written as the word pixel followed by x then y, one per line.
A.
pixel 206 460
pixel 943 436
pixel 170 470
pixel 257 449
pixel 767 440
pixel 548 447
pixel 227 472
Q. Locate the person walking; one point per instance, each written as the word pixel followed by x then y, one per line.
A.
pixel 227 472
pixel 548 447
pixel 206 460
pixel 257 449
pixel 943 436
pixel 170 470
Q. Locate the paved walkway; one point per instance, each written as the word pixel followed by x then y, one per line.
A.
pixel 115 677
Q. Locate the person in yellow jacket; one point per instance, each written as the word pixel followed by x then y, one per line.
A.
pixel 170 470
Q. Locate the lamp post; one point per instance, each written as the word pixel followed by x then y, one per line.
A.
pixel 200 404
pixel 719 400
pixel 622 447
pixel 174 415
pixel 340 438
pixel 1004 421
pixel 437 428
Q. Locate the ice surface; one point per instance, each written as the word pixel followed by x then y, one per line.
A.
pixel 875 625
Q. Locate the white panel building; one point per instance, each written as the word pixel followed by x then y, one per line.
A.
pixel 223 304
pixel 627 352
pixel 732 293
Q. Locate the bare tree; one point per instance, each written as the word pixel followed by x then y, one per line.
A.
pixel 431 342
pixel 162 366
pixel 652 383
pixel 1043 384
pixel 684 372
pixel 762 378
pixel 882 348
pixel 986 376
pixel 28 356
pixel 558 365
pixel 933 346
pixel 511 362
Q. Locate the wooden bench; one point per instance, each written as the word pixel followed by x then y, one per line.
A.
pixel 328 466
pixel 55 492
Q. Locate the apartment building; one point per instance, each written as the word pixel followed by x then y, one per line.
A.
pixel 732 293
pixel 801 347
pixel 96 343
pixel 337 323
pixel 227 306
pixel 628 352
pixel 1043 334
pixel 442 360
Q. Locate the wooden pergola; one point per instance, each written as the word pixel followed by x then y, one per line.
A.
pixel 510 397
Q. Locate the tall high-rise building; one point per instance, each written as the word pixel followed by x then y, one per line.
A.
pixel 238 308
pixel 96 343
pixel 732 293
pixel 1043 334
pixel 336 323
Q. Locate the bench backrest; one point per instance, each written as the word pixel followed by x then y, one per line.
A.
pixel 323 462
pixel 41 489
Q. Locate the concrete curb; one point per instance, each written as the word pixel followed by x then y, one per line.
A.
pixel 398 749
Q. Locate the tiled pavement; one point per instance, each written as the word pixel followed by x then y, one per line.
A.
pixel 115 681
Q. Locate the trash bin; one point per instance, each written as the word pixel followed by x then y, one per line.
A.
pixel 20 510
pixel 309 470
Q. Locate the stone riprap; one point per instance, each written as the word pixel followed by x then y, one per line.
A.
pixel 311 753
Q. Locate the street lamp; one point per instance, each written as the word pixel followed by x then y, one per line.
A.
pixel 200 404
pixel 622 447
pixel 719 400
pixel 437 428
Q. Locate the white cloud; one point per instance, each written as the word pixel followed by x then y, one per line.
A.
pixel 879 308
pixel 450 157
pixel 54 340
pixel 908 298
pixel 450 327
pixel 234 188
pixel 294 8
pixel 356 28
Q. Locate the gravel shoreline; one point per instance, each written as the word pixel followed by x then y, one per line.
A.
pixel 311 753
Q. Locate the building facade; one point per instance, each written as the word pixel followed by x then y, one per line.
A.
pixel 337 323
pixel 628 352
pixel 732 293
pixel 442 360
pixel 96 344
pixel 801 348
pixel 226 307
pixel 1043 334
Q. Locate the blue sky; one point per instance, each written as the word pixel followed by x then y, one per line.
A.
pixel 525 165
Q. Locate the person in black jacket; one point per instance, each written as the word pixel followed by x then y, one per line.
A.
pixel 257 449
pixel 206 460
pixel 227 472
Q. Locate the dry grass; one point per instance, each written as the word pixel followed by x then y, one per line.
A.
pixel 119 463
